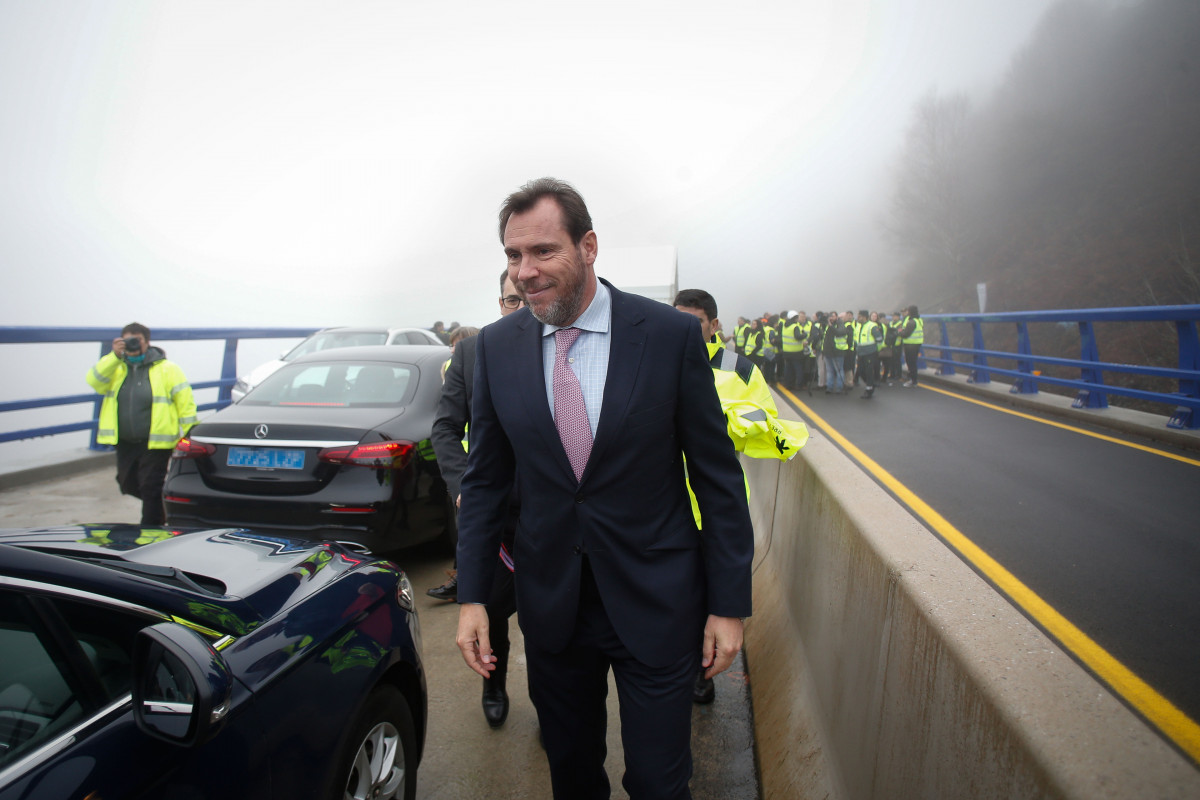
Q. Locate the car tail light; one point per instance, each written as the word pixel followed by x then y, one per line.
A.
pixel 189 448
pixel 381 455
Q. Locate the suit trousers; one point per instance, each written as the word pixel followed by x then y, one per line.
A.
pixel 141 473
pixel 793 370
pixel 896 373
pixel 912 352
pixel 569 689
pixel 501 604
pixel 868 368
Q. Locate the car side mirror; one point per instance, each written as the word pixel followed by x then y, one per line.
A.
pixel 182 687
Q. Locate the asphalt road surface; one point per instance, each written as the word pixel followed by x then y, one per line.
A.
pixel 1105 533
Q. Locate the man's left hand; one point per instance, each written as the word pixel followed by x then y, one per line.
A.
pixel 722 641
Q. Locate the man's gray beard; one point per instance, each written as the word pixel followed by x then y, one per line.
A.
pixel 563 311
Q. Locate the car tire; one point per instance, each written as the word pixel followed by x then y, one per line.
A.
pixel 380 758
pixel 449 537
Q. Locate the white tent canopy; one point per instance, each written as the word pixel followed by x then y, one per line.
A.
pixel 649 271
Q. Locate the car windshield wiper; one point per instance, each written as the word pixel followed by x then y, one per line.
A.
pixel 159 573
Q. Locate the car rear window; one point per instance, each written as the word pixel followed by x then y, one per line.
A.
pixel 336 384
pixel 334 339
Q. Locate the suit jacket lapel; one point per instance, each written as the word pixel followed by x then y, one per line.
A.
pixel 625 353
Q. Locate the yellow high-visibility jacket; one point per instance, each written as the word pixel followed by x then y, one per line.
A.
pixel 751 416
pixel 794 337
pixel 917 334
pixel 740 333
pixel 173 411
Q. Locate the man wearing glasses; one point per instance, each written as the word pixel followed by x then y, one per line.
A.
pixel 449 428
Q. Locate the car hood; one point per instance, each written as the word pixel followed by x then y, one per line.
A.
pixel 233 579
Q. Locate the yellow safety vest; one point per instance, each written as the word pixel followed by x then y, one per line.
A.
pixel 754 340
pixel 172 410
pixel 770 338
pixel 793 338
pixel 806 327
pixel 751 417
pixel 740 335
pixel 918 332
pixel 865 338
pixel 841 341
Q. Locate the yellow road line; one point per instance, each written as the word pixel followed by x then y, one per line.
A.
pixel 1063 426
pixel 1161 713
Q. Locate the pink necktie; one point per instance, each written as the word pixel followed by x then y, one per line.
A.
pixel 570 413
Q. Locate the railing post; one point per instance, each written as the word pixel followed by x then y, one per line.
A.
pixel 980 374
pixel 228 373
pixel 946 368
pixel 1024 385
pixel 1088 398
pixel 1189 358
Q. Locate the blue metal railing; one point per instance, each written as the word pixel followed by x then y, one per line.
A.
pixel 104 336
pixel 1092 390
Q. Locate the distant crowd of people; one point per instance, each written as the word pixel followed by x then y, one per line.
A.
pixel 831 351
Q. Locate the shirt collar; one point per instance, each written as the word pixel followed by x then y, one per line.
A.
pixel 597 317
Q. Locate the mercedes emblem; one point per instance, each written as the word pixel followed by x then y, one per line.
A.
pixel 260 431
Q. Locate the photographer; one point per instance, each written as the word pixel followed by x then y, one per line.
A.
pixel 148 406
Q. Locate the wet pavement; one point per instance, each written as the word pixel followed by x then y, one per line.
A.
pixel 463 756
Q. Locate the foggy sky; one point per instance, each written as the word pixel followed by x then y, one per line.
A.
pixel 293 163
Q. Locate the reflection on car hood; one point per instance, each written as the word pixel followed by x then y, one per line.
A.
pixel 239 578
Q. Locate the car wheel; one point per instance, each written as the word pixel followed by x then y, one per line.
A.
pixel 449 536
pixel 380 760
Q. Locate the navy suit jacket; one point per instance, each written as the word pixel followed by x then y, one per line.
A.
pixel 630 512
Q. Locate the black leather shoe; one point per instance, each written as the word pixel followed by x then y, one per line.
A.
pixel 703 691
pixel 447 591
pixel 495 705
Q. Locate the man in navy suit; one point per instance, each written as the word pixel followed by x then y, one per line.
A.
pixel 593 397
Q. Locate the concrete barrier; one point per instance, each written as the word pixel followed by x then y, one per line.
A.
pixel 881 666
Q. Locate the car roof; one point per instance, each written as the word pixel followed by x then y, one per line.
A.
pixel 395 353
pixel 372 329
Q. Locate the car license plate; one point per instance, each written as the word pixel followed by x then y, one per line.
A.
pixel 265 458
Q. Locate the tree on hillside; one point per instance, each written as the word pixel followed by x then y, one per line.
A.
pixel 1075 183
pixel 929 218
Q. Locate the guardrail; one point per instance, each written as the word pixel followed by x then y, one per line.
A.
pixel 104 336
pixel 1092 390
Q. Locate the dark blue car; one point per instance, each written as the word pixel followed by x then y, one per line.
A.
pixel 141 662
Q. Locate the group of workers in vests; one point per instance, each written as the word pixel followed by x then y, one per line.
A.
pixel 831 351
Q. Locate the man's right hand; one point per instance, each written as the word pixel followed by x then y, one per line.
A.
pixel 119 346
pixel 473 640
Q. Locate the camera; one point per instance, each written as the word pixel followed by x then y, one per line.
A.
pixel 133 345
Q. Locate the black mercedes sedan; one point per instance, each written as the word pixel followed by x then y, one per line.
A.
pixel 332 446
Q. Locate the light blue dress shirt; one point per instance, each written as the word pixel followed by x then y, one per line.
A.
pixel 588 357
